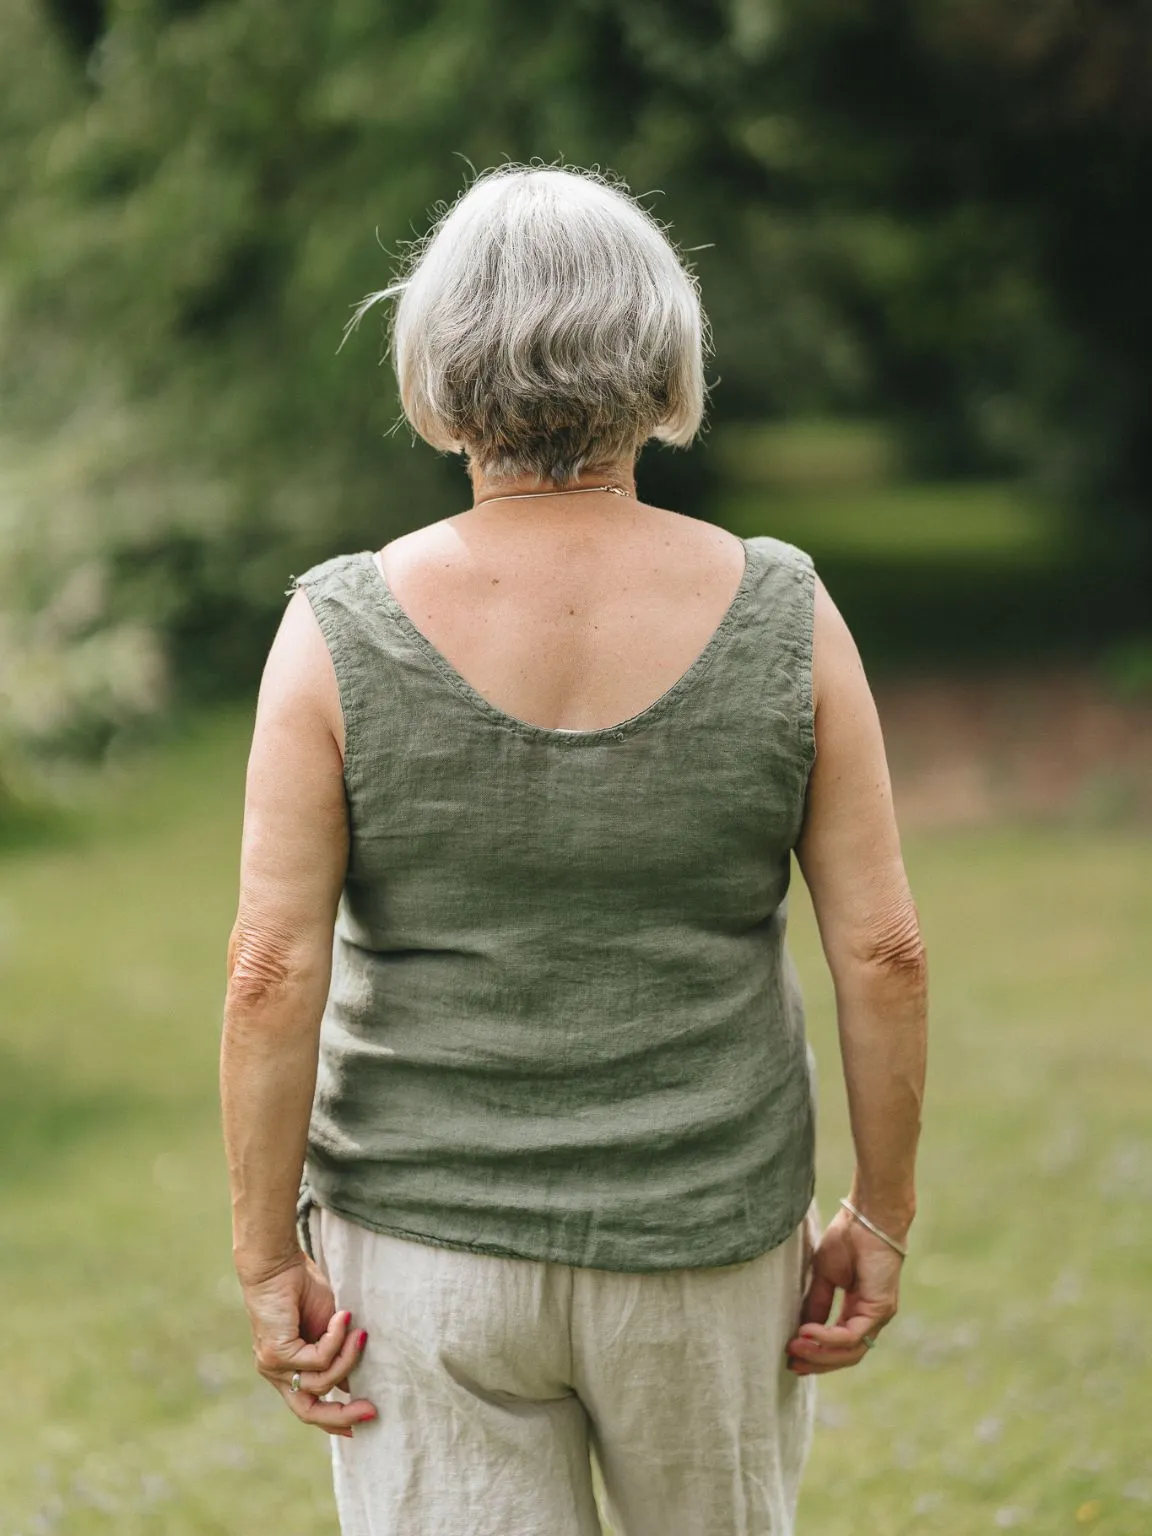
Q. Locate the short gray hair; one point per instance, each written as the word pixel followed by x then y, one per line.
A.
pixel 546 326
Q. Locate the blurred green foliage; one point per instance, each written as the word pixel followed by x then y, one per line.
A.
pixel 927 212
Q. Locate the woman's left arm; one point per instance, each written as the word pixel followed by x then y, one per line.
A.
pixel 293 860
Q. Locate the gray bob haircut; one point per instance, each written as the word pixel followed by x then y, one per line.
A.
pixel 546 326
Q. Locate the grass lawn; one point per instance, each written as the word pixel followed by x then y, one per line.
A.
pixel 988 524
pixel 1014 1390
pixel 836 487
pixel 929 575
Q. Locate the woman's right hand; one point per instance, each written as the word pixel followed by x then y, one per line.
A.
pixel 297 1333
pixel 867 1270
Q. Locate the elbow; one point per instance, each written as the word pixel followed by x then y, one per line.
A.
pixel 262 971
pixel 893 947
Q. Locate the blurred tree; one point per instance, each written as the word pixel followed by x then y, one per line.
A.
pixel 1007 141
pixel 81 22
pixel 928 207
pixel 194 218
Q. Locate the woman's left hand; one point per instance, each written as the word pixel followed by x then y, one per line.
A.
pixel 299 1335
pixel 867 1270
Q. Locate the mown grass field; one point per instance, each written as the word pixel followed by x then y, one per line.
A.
pixel 836 488
pixel 1014 1390
pixel 931 575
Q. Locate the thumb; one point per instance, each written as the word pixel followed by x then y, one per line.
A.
pixel 818 1300
pixel 318 1311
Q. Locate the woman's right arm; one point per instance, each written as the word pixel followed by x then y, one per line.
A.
pixel 849 854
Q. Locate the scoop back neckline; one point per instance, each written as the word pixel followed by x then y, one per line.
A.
pixel 622 728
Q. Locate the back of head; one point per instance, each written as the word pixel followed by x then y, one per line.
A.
pixel 546 326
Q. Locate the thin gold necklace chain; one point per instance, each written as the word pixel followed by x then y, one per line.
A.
pixel 578 490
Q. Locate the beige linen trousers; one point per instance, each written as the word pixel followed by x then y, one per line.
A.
pixel 499 1382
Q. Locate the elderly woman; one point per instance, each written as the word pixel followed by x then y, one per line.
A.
pixel 509 1005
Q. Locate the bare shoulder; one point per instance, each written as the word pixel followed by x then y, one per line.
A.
pixel 435 544
pixel 299 680
pixel 431 567
pixel 295 842
pixel 704 548
pixel 695 533
pixel 836 665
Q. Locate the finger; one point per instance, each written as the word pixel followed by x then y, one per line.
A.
pixel 847 1332
pixel 809 1352
pixel 338 1417
pixel 816 1368
pixel 830 1335
pixel 807 1346
pixel 299 1355
pixel 319 1382
pixel 863 1320
pixel 832 1340
pixel 333 1417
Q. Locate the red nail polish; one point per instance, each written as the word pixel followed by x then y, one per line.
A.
pixel 365 1417
pixel 362 1340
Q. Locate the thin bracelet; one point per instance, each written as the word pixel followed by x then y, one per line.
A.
pixel 891 1241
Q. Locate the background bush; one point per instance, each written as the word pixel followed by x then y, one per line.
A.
pixel 926 212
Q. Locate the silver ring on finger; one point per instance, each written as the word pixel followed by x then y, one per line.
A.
pixel 294 1384
pixel 869 1341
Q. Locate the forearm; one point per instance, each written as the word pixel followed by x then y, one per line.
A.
pixel 267 1081
pixel 882 1018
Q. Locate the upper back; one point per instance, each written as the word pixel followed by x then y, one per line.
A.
pixel 709 739
pixel 569 622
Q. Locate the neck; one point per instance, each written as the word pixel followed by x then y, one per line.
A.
pixel 487 487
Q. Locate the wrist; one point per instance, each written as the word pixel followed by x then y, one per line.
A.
pixel 894 1214
pixel 256 1267
pixel 859 1219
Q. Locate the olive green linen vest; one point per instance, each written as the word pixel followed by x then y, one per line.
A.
pixel 562 1023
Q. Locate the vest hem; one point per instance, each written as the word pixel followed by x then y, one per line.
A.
pixel 547 1253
